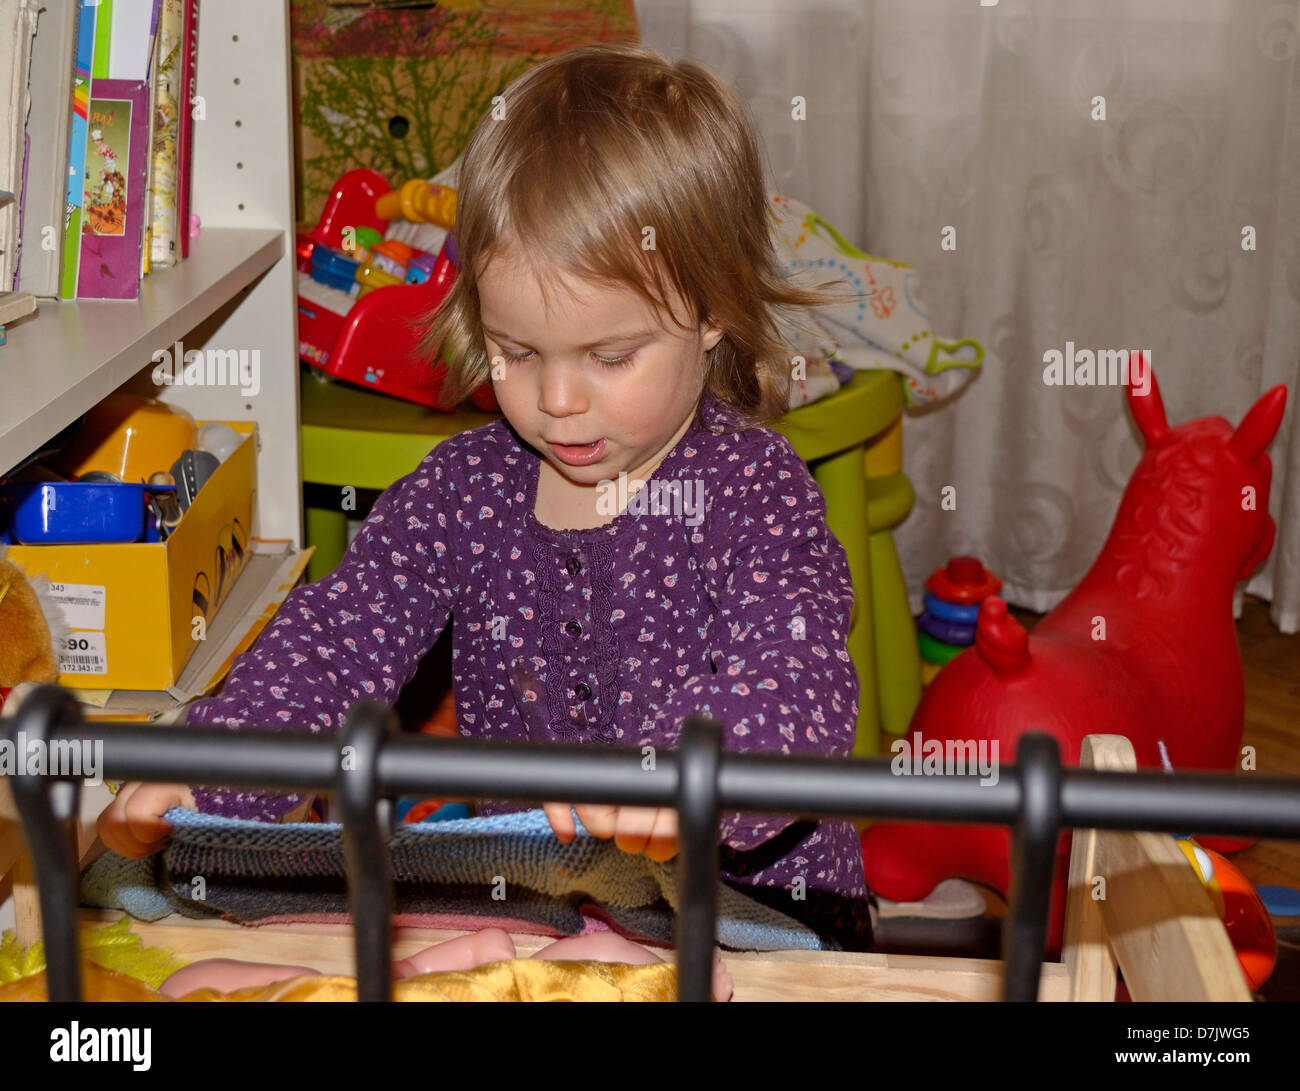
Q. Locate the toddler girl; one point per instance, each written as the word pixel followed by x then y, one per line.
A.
pixel 626 548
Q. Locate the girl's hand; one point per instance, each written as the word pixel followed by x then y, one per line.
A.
pixel 133 825
pixel 648 830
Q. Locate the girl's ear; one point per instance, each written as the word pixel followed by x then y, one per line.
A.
pixel 711 336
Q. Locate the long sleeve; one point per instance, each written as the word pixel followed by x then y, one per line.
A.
pixel 359 632
pixel 784 682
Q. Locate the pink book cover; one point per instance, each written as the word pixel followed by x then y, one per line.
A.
pixel 185 139
pixel 117 160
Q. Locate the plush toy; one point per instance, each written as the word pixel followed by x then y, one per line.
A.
pixel 1144 647
pixel 31 626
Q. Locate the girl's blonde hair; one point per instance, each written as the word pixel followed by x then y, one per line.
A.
pixel 595 146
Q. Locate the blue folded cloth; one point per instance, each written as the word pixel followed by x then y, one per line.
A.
pixel 508 865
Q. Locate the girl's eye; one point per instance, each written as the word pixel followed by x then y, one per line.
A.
pixel 617 361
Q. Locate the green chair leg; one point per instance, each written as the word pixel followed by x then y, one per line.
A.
pixel 898 659
pixel 843 485
pixel 327 530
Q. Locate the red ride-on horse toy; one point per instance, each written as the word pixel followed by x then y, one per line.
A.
pixel 1144 647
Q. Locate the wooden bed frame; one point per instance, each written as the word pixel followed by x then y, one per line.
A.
pixel 1156 923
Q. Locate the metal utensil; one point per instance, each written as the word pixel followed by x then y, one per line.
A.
pixel 192 471
pixel 162 498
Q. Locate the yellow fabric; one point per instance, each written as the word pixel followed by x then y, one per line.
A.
pixel 520 979
pixel 115 947
pixel 97 984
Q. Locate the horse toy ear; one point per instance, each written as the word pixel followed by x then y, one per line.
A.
pixel 1148 408
pixel 1259 426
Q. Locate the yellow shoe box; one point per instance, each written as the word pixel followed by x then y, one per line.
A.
pixel 137 611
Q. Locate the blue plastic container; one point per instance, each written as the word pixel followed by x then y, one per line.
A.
pixel 74 513
pixel 334 269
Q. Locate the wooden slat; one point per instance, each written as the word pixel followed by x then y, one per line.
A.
pixel 1161 923
pixel 15 862
pixel 1086 951
pixel 775 975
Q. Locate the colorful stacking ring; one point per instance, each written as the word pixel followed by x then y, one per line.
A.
pixel 936 651
pixel 948 632
pixel 950 611
pixel 964 580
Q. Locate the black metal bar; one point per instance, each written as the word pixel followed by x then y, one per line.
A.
pixel 269 758
pixel 365 828
pixel 48 806
pixel 698 755
pixel 1033 864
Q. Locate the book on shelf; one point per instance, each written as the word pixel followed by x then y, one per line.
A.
pixel 17 28
pixel 145 266
pixel 167 100
pixel 92 15
pixel 75 189
pixel 49 122
pixel 132 29
pixel 117 153
pixel 185 136
pixel 103 37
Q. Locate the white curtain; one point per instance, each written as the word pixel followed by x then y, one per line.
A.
pixel 1117 233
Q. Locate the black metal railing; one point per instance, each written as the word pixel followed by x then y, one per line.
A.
pixel 1036 798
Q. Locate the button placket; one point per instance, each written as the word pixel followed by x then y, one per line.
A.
pixel 582 659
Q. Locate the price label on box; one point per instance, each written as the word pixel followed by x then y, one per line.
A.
pixel 84 653
pixel 82 604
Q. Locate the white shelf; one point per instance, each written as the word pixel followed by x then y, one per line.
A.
pixel 62 360
pixel 235 291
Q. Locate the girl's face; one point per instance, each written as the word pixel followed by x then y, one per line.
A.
pixel 600 384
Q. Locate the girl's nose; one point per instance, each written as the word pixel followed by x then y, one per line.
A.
pixel 561 392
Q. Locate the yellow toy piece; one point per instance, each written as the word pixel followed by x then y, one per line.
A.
pixel 371 278
pixel 419 202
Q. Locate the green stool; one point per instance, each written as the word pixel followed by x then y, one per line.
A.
pixel 843 438
pixel 353 437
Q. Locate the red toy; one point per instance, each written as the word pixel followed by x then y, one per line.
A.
pixel 1144 647
pixel 1250 928
pixel 373 342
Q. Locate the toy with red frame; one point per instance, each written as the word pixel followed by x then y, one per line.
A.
pixel 371 337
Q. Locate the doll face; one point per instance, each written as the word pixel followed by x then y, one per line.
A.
pixel 599 383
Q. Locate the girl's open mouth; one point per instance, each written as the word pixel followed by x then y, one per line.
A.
pixel 583 454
